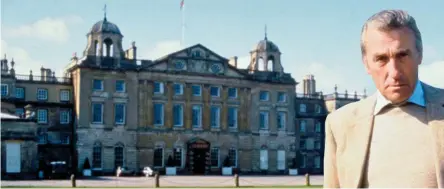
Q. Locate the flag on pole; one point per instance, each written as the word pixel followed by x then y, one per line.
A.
pixel 181 4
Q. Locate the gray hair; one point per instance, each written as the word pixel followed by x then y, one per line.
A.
pixel 387 20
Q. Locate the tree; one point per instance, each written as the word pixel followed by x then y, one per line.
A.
pixel 227 162
pixel 86 164
pixel 170 162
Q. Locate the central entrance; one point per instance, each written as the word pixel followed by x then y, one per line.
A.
pixel 198 155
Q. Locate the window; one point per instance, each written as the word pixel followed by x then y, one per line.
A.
pixel 97 113
pixel 304 161
pixel 178 115
pixel 42 116
pixel 232 154
pixel 64 117
pixel 232 117
pixel 64 138
pixel 302 108
pixel 196 54
pixel 4 90
pixel 214 91
pixel 282 97
pixel 178 89
pixel 318 127
pixel 281 119
pixel 317 162
pixel 317 144
pixel 120 86
pixel 264 159
pixel 120 113
pixel 214 157
pixel 281 159
pixel 158 88
pixel 318 108
pixel 43 138
pixel 118 156
pixel 20 112
pixel 232 92
pixel 197 116
pixel 264 95
pixel 158 114
pixel 196 90
pixel 303 126
pixel 19 93
pixel 42 94
pixel 178 157
pixel 98 85
pixel 215 116
pixel 263 120
pixel 158 157
pixel 64 95
pixel 302 144
pixel 97 156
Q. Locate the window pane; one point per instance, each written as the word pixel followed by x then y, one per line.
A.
pixel 178 157
pixel 214 157
pixel 118 157
pixel 120 86
pixel 178 114
pixel 4 90
pixel 232 154
pixel 97 112
pixel 196 90
pixel 20 93
pixel 119 113
pixel 232 117
pixel 158 114
pixel 97 84
pixel 178 89
pixel 232 92
pixel 158 157
pixel 214 91
pixel 97 156
pixel 196 116
pixel 215 115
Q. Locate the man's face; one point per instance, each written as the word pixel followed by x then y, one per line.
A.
pixel 392 60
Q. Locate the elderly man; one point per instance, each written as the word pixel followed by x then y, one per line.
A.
pixel 394 138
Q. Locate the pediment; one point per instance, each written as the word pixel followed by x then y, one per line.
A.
pixel 197 59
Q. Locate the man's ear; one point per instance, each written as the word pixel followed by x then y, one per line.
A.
pixel 365 62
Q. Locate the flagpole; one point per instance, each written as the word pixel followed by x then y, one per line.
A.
pixel 183 23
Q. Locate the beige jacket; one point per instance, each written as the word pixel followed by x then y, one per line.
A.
pixel 347 134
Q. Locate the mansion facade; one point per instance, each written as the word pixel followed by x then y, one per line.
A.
pixel 192 109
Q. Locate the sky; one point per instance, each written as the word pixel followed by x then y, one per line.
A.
pixel 315 37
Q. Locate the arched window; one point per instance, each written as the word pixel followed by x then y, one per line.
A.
pixel 97 156
pixel 118 155
pixel 96 48
pixel 270 63
pixel 109 47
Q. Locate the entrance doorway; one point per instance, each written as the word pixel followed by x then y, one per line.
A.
pixel 198 156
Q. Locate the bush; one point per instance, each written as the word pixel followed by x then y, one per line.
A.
pixel 86 164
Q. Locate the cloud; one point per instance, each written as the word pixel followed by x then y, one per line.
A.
pixel 23 61
pixel 432 74
pixel 49 28
pixel 162 48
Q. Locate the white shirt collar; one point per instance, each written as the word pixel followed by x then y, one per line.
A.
pixel 417 98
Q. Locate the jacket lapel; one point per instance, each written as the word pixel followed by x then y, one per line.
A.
pixel 435 117
pixel 358 140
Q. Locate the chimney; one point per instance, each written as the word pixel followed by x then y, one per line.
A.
pixel 233 61
pixel 131 53
pixel 309 85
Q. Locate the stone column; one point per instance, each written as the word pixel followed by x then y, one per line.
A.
pixel 224 108
pixel 206 110
pixel 169 104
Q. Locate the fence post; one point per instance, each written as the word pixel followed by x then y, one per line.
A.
pixel 236 180
pixel 73 180
pixel 156 181
pixel 307 179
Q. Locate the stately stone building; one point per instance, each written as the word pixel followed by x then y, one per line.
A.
pixel 192 109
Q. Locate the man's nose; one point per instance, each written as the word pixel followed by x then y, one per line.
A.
pixel 394 69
